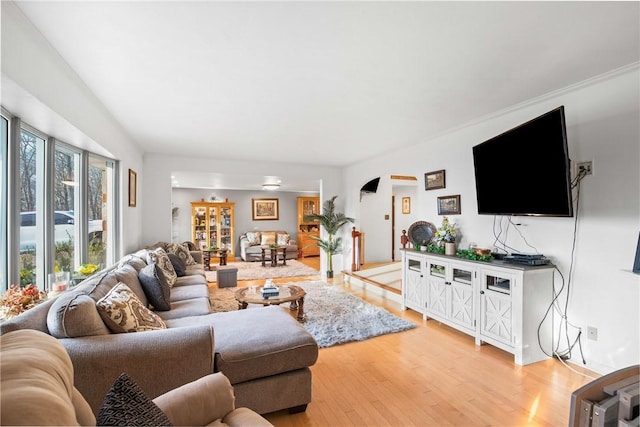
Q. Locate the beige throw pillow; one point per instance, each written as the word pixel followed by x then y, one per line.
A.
pixel 268 238
pixel 122 311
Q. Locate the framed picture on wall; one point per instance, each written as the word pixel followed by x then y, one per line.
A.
pixel 406 205
pixel 449 205
pixel 434 180
pixel 264 209
pixel 133 188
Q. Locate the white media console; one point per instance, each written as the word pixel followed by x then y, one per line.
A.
pixel 496 302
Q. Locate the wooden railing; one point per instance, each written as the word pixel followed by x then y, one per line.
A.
pixel 357 254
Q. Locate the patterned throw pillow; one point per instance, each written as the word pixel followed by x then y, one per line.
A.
pixel 253 237
pixel 155 287
pixel 159 257
pixel 268 238
pixel 283 239
pixel 182 252
pixel 122 311
pixel 127 405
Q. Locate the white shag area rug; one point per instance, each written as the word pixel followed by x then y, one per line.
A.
pixel 255 270
pixel 332 315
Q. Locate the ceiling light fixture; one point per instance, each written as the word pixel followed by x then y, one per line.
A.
pixel 270 186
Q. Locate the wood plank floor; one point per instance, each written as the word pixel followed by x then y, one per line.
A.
pixel 432 375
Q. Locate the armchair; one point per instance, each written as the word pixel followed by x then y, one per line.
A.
pixel 37 388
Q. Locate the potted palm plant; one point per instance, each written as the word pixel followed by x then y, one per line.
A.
pixel 331 221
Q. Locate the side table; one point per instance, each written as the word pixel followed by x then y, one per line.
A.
pixel 273 255
pixel 206 257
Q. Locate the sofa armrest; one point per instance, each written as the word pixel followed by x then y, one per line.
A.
pixel 197 256
pixel 158 361
pixel 198 403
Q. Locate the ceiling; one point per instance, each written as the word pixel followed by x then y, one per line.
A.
pixel 325 83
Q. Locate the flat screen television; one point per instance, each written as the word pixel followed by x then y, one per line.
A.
pixel 526 170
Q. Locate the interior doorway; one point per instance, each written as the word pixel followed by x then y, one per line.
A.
pixel 393 228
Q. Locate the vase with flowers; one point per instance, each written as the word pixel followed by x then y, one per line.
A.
pixel 18 299
pixel 446 236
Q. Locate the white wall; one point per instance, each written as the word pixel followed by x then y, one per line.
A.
pixel 41 89
pixel 602 118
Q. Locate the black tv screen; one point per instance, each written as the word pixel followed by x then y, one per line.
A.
pixel 526 170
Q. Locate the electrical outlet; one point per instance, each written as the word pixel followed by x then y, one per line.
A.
pixel 585 166
pixel 592 333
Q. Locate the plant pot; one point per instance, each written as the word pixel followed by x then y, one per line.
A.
pixel 450 248
pixel 329 274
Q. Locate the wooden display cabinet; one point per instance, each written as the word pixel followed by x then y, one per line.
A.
pixel 212 226
pixel 307 245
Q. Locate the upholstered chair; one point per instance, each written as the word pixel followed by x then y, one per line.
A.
pixel 37 388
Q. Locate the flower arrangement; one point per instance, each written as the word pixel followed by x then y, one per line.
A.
pixel 446 233
pixel 19 299
pixel 87 269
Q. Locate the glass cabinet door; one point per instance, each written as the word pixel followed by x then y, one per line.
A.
pixel 309 207
pixel 226 235
pixel 213 227
pixel 200 227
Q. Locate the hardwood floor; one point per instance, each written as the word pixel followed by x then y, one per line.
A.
pixel 432 375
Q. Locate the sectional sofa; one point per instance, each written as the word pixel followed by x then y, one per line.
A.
pixel 265 352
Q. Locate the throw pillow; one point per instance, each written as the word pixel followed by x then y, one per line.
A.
pixel 182 251
pixel 155 287
pixel 268 238
pixel 178 265
pixel 127 405
pixel 159 256
pixel 283 239
pixel 122 311
pixel 253 237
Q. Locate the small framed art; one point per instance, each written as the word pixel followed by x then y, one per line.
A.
pixel 449 205
pixel 264 209
pixel 133 188
pixel 434 180
pixel 406 205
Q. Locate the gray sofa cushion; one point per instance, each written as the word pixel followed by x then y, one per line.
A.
pixel 195 270
pixel 243 354
pixel 133 260
pixel 73 315
pixel 181 293
pixel 190 280
pixel 186 308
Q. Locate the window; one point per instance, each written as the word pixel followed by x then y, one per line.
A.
pixel 101 210
pixel 4 146
pixel 66 207
pixel 27 219
pixel 66 202
pixel 31 154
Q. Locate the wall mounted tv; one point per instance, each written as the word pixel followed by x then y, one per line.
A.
pixel 526 170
